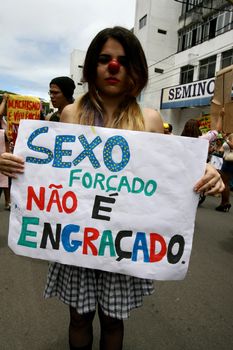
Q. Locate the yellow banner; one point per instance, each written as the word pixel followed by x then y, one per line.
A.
pixel 21 107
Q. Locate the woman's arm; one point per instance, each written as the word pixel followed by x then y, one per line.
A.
pixel 219 120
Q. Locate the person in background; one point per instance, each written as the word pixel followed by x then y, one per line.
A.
pixel 217 146
pixel 231 184
pixel 42 112
pixel 191 129
pixel 61 90
pixel 51 111
pixel 167 128
pixel 3 104
pixel 116 71
pixel 3 111
pixel 227 174
pixel 216 152
pixel 3 126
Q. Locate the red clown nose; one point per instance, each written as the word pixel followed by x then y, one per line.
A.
pixel 114 67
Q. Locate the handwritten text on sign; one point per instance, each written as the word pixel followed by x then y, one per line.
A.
pixel 20 107
pixel 115 200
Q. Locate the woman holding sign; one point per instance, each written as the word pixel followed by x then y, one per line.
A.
pixel 116 72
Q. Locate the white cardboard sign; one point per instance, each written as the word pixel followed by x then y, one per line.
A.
pixel 113 200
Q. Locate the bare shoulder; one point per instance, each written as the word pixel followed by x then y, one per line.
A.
pixel 153 120
pixel 68 114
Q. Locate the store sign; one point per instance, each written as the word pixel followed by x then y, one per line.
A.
pixel 193 94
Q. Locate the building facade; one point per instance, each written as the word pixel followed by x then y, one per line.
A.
pixel 76 69
pixel 186 42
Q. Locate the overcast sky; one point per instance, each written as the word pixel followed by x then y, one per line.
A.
pixel 38 36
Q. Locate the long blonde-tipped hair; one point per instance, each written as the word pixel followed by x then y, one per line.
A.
pixel 128 114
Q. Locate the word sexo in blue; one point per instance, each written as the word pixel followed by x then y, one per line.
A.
pixel 57 154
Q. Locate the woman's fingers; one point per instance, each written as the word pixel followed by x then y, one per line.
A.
pixel 211 182
pixel 217 188
pixel 6 156
pixel 6 173
pixel 11 164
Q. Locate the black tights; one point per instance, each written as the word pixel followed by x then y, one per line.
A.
pixel 226 192
pixel 81 331
pixel 112 332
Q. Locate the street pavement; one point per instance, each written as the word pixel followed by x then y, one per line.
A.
pixel 193 314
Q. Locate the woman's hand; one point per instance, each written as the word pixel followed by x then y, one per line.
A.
pixel 211 182
pixel 11 165
pixel 5 96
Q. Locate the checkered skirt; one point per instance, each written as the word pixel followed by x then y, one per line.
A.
pixel 83 288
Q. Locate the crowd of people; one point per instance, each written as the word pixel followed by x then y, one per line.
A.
pixel 61 90
pixel 220 147
pixel 116 71
pixel 4 146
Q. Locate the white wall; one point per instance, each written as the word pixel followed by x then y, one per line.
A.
pixel 142 9
pixel 160 15
pixel 76 60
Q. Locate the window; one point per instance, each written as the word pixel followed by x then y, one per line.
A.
pixel 216 24
pixel 161 31
pixel 186 74
pixel 199 35
pixel 194 37
pixel 159 70
pixel 184 41
pixel 188 5
pixel 227 58
pixel 220 24
pixel 212 28
pixel 190 38
pixel 228 21
pixel 205 32
pixel 142 21
pixel 224 22
pixel 207 68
